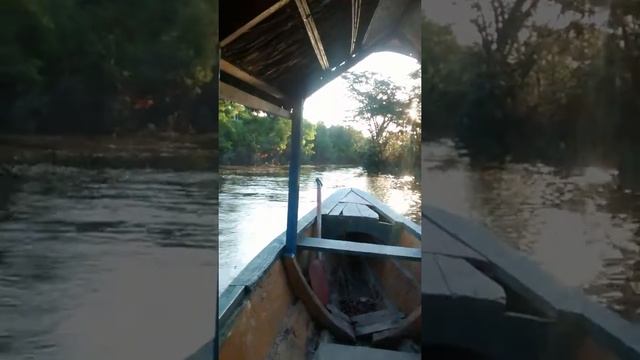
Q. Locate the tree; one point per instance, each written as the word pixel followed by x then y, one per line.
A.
pixel 383 108
pixel 73 66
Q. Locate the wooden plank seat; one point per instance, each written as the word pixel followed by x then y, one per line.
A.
pixel 369 323
pixel 439 242
pixel 376 321
pixel 351 209
pixel 353 205
pixel 359 248
pixel 329 351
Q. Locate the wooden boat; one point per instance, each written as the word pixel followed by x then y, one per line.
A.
pixel 480 299
pixel 273 54
pixel 370 257
pixel 483 300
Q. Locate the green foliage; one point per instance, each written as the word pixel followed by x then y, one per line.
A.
pixel 338 145
pixel 384 109
pixel 78 66
pixel 249 137
pixel 531 91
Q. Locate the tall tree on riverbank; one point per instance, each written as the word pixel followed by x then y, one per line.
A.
pixel 383 108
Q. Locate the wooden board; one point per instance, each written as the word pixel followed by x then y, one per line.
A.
pixel 376 321
pixel 351 209
pixel 336 312
pixel 355 198
pixel 375 316
pixel 234 94
pixel 462 279
pixel 230 299
pixel 339 328
pixel 432 279
pixel 436 241
pixel 355 210
pixel 337 210
pixel 390 213
pixel 358 248
pixel 257 326
pixel 408 327
pixel 526 279
pixel 514 269
pixel 367 212
pixel 338 227
pixel 376 327
pixel 339 352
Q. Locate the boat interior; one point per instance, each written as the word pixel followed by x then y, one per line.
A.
pixel 362 284
pixel 356 273
pixel 353 292
pixel 483 298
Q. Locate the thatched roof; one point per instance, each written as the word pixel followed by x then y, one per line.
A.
pixel 269 60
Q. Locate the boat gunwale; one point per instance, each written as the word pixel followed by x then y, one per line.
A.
pixel 240 288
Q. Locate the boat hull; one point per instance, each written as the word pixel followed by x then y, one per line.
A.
pixel 271 311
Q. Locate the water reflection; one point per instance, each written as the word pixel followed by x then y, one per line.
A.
pixel 575 223
pixel 253 205
pixel 106 263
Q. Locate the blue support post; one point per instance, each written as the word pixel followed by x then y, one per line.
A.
pixel 294 179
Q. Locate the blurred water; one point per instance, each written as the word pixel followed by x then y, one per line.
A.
pixel 576 223
pixel 106 264
pixel 253 205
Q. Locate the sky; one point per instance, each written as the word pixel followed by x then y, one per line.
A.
pixel 458 14
pixel 332 104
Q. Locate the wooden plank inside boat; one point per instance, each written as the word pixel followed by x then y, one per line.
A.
pixel 375 316
pixel 462 279
pixel 433 282
pixel 337 210
pixel 328 351
pixel 351 210
pixel 439 242
pixel 318 312
pixel 376 327
pixel 360 248
pixel 355 210
pixel 541 290
pixel 367 212
pixel 409 326
pixel 355 198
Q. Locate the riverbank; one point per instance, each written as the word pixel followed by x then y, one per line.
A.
pixel 148 150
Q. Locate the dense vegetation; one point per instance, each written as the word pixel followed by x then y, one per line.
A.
pixel 566 90
pixel 75 66
pixel 392 144
pixel 248 137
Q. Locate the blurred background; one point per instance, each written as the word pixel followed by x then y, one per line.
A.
pixel 530 127
pixel 108 178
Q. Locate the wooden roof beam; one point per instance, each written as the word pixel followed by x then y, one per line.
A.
pixel 232 93
pixel 255 21
pixel 326 77
pixel 356 5
pixel 312 31
pixel 251 80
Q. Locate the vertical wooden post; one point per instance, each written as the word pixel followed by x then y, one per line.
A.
pixel 319 208
pixel 294 178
